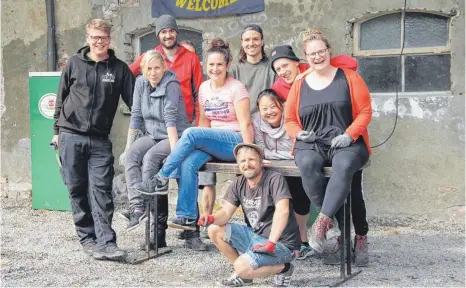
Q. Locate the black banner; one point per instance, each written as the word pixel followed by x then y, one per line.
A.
pixel 205 8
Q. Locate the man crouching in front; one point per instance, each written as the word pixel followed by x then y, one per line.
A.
pixel 268 245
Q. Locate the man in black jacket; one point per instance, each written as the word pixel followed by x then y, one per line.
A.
pixel 90 88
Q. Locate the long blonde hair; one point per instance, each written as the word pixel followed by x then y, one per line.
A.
pixel 149 56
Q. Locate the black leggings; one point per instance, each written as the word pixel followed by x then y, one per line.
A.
pixel 328 198
pixel 301 203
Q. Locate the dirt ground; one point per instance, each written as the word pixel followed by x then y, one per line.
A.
pixel 40 248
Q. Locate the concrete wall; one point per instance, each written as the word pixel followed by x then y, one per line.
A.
pixel 418 173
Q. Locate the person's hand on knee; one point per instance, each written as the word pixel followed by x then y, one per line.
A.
pixel 306 136
pixel 267 248
pixel 341 141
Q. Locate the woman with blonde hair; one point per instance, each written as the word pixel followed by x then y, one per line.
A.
pixel 327 113
pixel 158 107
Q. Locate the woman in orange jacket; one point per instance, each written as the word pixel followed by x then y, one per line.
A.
pixel 327 113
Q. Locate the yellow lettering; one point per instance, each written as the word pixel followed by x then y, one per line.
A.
pixel 181 3
pixel 190 5
pixel 213 4
pixel 198 6
pixel 221 3
pixel 232 1
pixel 204 6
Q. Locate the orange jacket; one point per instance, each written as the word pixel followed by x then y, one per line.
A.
pixel 188 70
pixel 360 102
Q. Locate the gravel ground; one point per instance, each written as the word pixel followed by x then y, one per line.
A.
pixel 40 248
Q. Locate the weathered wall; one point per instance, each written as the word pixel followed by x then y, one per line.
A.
pixel 419 172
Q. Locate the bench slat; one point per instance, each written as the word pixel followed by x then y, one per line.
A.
pixel 284 167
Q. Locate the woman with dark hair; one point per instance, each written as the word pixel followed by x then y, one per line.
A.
pixel 270 135
pixel 224 122
pixel 327 113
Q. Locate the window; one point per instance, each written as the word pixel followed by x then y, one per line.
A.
pixel 149 40
pixel 425 62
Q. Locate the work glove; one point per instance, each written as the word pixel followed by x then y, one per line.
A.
pixel 132 135
pixel 205 221
pixel 306 136
pixel 267 248
pixel 341 141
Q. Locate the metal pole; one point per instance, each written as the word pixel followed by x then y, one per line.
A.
pixel 51 39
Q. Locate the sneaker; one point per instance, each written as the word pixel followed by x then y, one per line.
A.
pixel 137 216
pixel 236 281
pixel 361 251
pixel 332 253
pixel 204 233
pixel 284 279
pixel 193 241
pixel 317 232
pixel 182 223
pixel 125 215
pixel 305 252
pixel 89 247
pixel 109 252
pixel 182 234
pixel 153 186
pixel 161 242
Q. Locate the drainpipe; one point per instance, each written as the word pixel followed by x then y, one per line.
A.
pixel 51 40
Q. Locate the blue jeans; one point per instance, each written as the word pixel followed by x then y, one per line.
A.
pixel 196 147
pixel 242 238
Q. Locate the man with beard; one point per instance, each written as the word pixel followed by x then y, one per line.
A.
pixel 187 68
pixel 87 99
pixel 271 242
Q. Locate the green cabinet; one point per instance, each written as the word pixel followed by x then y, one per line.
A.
pixel 48 190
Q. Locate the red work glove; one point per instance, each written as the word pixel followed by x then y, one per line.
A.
pixel 268 248
pixel 203 221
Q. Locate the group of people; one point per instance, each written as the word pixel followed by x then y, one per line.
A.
pixel 259 109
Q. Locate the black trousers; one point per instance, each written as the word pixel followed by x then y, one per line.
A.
pixel 87 171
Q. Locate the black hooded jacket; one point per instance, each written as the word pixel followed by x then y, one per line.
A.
pixel 89 92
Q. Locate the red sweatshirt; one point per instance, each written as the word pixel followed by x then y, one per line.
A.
pixel 341 61
pixel 188 70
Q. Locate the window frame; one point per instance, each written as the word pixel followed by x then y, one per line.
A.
pixel 417 51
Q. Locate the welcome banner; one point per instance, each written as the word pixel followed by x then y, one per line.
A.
pixel 205 8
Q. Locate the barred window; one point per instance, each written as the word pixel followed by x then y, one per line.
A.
pixel 426 58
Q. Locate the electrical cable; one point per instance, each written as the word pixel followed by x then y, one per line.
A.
pixel 397 72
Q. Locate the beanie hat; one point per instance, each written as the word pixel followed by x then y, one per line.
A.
pixel 283 51
pixel 165 21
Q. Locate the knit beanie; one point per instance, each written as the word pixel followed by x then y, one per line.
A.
pixel 165 21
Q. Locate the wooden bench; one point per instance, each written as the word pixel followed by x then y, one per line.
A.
pixel 284 167
pixel 289 168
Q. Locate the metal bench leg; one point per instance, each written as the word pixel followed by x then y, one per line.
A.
pixel 346 242
pixel 156 230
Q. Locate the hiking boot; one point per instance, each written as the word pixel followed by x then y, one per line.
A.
pixel 89 247
pixel 137 217
pixel 153 186
pixel 161 242
pixel 334 232
pixel 332 253
pixel 181 235
pixel 361 251
pixel 125 215
pixel 109 252
pixel 236 281
pixel 305 252
pixel 193 241
pixel 182 223
pixel 318 230
pixel 284 279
